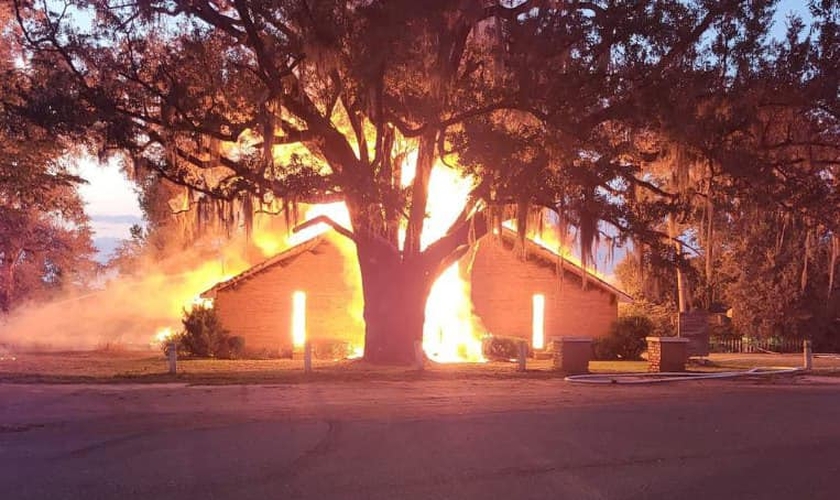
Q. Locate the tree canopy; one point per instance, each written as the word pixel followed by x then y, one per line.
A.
pixel 596 110
pixel 45 241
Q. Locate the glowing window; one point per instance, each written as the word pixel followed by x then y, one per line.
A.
pixel 538 322
pixel 298 318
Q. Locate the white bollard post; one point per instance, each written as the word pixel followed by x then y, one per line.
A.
pixel 523 356
pixel 808 355
pixel 419 356
pixel 307 357
pixel 172 356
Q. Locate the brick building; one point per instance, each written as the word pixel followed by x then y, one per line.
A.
pixel 511 295
pixel 258 303
pixel 507 288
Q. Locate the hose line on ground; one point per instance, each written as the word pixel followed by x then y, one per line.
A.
pixel 651 378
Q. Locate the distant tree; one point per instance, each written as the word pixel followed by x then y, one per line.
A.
pixel 45 241
pixel 653 288
pixel 128 253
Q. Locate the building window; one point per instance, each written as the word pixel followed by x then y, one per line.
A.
pixel 538 322
pixel 298 318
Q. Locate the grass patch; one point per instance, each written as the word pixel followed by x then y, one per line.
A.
pixel 110 366
pixel 151 367
pixel 735 361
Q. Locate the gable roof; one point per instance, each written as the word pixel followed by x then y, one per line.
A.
pixel 283 259
pixel 533 248
pixel 545 254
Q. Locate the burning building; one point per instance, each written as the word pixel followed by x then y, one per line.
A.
pixel 302 292
pixel 536 294
pixel 312 291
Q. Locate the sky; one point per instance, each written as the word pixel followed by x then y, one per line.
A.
pixel 112 201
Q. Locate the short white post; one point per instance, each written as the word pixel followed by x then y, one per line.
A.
pixel 172 356
pixel 523 356
pixel 419 356
pixel 307 357
pixel 807 354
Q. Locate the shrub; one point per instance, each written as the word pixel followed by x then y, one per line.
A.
pixel 232 348
pixel 501 348
pixel 331 349
pixel 626 339
pixel 204 337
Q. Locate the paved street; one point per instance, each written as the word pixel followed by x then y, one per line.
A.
pixel 516 439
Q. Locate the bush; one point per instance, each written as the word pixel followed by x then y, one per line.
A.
pixel 204 337
pixel 331 349
pixel 501 348
pixel 626 339
pixel 232 348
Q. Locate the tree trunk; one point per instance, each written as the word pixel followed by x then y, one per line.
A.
pixel 396 286
pixel 394 318
pixel 395 295
pixel 710 247
pixel 682 292
pixel 8 291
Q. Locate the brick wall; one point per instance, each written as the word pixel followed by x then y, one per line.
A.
pixel 503 286
pixel 667 354
pixel 259 308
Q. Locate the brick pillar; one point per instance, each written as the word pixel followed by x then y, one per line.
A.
pixel 571 355
pixel 667 354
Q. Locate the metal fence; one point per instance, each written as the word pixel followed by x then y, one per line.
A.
pixel 749 344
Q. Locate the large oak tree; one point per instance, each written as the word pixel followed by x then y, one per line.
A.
pixel 311 101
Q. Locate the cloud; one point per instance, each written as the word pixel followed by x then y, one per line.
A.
pixel 108 191
pixel 113 226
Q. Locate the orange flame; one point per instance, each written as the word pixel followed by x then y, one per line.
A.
pixel 452 332
pixel 549 241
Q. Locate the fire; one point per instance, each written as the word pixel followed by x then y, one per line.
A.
pixel 269 244
pixel 203 302
pixel 335 211
pixel 549 241
pixel 162 336
pixel 452 333
pixel 352 276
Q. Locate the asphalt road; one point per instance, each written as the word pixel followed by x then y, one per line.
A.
pixel 514 439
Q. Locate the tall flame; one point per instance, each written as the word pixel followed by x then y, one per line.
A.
pixel 452 332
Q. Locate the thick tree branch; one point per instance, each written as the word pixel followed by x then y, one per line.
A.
pixel 323 219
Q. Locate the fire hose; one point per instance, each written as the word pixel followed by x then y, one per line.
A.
pixel 827 355
pixel 651 378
